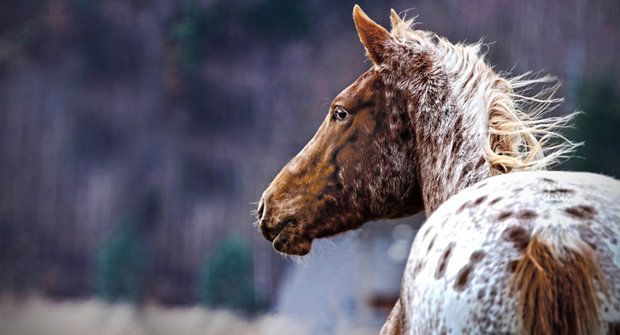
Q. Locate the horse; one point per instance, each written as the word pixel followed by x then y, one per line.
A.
pixel 507 247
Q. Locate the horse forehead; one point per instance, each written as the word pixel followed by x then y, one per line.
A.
pixel 360 90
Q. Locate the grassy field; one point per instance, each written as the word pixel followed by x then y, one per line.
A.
pixel 36 316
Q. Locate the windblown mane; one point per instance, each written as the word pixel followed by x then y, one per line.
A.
pixel 520 137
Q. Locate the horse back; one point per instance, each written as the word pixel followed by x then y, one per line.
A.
pixel 527 252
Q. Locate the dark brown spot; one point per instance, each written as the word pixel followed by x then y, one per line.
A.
pixel 526 214
pixel 480 162
pixel 456 146
pixel 433 160
pixel 416 269
pixel 519 236
pixel 462 207
pixel 465 171
pixel 581 212
pixel 504 215
pixel 480 294
pixel 426 232
pixel 559 191
pixel 496 200
pixel 479 200
pixel 548 180
pixel 462 278
pixel 443 261
pixel 430 245
pixel 476 256
pixel 512 265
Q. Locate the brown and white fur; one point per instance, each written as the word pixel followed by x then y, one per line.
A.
pixel 525 252
pixel 432 127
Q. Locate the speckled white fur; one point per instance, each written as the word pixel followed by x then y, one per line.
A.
pixel 432 305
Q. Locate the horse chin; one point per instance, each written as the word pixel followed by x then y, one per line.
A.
pixel 292 244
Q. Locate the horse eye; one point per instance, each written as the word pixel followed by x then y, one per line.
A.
pixel 340 113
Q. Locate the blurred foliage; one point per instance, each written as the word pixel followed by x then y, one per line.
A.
pixel 598 127
pixel 95 137
pixel 202 178
pixel 198 30
pixel 226 279
pixel 18 15
pixel 210 106
pixel 96 34
pixel 122 264
pixel 192 31
pixel 279 19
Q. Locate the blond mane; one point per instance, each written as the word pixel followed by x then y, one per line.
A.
pixel 520 135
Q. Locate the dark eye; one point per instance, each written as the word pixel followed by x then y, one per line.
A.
pixel 340 113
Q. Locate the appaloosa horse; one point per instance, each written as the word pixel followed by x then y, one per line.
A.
pixel 507 247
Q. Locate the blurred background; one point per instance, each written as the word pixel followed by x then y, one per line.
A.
pixel 137 135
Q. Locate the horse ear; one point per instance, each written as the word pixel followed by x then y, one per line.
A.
pixel 372 35
pixel 394 18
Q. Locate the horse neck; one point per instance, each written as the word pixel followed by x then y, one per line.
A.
pixel 451 133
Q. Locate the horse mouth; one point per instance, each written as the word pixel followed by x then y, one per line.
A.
pixel 270 234
pixel 287 239
pixel 292 244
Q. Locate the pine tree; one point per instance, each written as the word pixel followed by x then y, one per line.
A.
pixel 122 263
pixel 598 127
pixel 226 279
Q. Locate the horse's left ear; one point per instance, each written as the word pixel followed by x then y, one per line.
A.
pixel 372 35
pixel 394 18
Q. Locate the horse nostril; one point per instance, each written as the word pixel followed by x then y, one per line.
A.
pixel 266 231
pixel 261 209
pixel 270 233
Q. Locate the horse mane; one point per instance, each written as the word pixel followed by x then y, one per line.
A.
pixel 520 135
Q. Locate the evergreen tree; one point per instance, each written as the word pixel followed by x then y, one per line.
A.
pixel 226 279
pixel 598 127
pixel 122 263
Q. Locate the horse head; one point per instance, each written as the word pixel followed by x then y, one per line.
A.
pixel 358 167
